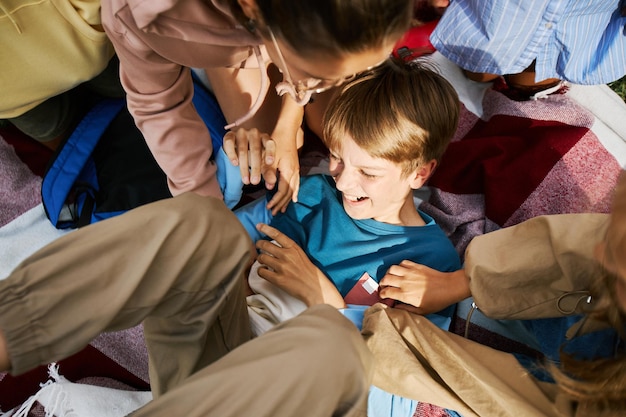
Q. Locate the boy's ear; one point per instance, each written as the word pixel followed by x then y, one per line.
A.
pixel 421 174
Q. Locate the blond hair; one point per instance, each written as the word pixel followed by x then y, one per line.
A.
pixel 403 112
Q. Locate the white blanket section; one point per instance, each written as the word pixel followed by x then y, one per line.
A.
pixel 62 398
pixel 24 236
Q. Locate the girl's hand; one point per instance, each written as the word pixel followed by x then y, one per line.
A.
pixel 423 290
pixel 289 137
pixel 257 156
pixel 287 165
pixel 254 152
pixel 288 267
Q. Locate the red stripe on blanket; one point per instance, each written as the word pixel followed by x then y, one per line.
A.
pixel 32 153
pixel 505 159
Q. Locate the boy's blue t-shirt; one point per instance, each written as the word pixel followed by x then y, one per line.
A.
pixel 344 248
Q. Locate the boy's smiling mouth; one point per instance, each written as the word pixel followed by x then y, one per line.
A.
pixel 353 199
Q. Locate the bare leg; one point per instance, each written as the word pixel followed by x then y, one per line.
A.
pixel 481 77
pixel 525 81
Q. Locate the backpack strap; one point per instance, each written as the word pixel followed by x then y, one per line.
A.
pixel 72 163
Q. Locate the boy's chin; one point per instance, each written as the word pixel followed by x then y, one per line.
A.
pixel 356 213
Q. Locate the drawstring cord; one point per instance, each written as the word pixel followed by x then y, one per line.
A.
pixel 10 17
pixel 584 296
pixel 262 91
pixel 284 87
pixel 287 86
pixel 469 318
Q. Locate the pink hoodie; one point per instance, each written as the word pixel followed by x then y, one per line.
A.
pixel 155 42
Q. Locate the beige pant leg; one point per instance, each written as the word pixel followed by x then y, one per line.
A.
pixel 417 360
pixel 177 263
pixel 315 364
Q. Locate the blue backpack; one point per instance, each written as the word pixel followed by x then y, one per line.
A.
pixel 105 167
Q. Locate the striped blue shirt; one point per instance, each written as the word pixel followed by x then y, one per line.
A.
pixel 581 41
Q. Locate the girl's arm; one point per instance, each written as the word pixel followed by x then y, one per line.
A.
pixel 288 136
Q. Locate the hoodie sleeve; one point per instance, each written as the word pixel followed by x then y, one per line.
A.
pixel 159 95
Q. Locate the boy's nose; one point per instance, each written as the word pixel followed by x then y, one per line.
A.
pixel 344 180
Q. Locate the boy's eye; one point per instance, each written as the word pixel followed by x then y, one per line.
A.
pixel 369 176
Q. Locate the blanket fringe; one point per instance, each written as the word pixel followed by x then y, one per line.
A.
pixel 60 403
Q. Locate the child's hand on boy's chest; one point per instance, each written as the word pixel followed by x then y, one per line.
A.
pixel 422 290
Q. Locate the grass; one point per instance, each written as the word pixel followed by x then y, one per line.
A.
pixel 619 87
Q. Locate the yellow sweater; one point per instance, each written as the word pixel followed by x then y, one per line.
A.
pixel 48 47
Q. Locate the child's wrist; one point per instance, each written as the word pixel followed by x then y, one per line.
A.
pixel 461 285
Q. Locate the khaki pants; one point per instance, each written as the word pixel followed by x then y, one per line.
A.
pixel 177 266
pixel 57 116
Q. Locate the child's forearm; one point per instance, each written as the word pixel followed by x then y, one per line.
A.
pixel 459 288
pixel 328 293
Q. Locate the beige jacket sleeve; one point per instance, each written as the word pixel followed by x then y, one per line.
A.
pixel 417 360
pixel 540 268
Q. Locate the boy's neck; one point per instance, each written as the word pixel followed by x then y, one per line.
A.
pixel 408 215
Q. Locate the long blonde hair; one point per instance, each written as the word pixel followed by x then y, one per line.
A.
pixel 598 387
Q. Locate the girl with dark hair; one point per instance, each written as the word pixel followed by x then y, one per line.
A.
pixel 242 46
